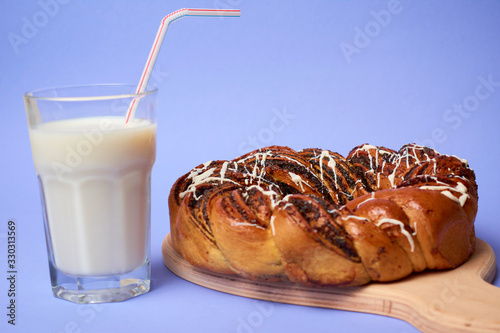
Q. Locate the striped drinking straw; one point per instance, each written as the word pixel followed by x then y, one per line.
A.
pixel 159 39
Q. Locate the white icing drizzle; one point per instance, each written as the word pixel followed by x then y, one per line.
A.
pixel 402 228
pixel 273 196
pixel 202 178
pixel 258 169
pixel 405 155
pixel 332 164
pixel 251 225
pixel 463 160
pixel 204 175
pixel 223 171
pixel 298 180
pixel 392 176
pixel 445 190
pixel 197 179
pixel 347 217
pixel 394 158
pixel 380 173
pixel 297 162
pixel 273 231
pixel 415 154
pixel 263 166
pixel 254 174
pixel 367 148
pixel 365 201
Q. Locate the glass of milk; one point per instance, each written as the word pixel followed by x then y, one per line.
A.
pixel 94 173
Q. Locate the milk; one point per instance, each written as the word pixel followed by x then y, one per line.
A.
pixel 95 177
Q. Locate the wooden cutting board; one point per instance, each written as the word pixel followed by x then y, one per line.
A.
pixel 458 300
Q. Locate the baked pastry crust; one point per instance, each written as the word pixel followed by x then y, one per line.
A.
pixel 317 218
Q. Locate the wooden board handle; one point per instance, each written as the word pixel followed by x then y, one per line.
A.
pixel 458 300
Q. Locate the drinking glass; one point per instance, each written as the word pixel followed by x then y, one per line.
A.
pixel 94 174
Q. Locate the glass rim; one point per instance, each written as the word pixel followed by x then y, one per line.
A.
pixel 31 94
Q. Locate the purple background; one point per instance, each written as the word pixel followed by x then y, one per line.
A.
pixel 326 74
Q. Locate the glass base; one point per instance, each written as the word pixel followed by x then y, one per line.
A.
pixel 101 289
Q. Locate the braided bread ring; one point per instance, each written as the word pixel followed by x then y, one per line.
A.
pixel 317 218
